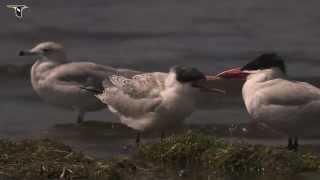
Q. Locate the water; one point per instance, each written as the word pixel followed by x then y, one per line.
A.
pixel 149 35
pixel 154 35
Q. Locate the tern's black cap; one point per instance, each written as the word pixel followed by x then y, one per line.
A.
pixel 266 61
pixel 188 74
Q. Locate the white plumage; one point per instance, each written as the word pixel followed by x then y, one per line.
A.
pixel 149 101
pixel 288 106
pixel 59 82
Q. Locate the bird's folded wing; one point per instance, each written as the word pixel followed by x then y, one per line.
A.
pixel 86 74
pixel 147 85
pixel 127 105
pixel 129 73
pixel 290 93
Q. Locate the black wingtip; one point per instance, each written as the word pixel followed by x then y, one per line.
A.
pixel 21 53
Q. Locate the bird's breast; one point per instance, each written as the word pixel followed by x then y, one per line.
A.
pixel 177 102
pixel 251 96
pixel 40 72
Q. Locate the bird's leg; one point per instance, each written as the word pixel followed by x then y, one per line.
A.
pixel 295 144
pixel 162 136
pixel 80 117
pixel 138 139
pixel 290 144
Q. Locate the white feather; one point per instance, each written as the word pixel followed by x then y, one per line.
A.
pixel 149 101
pixel 59 82
pixel 288 106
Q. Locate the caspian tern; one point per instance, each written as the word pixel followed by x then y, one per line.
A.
pixel 58 81
pixel 153 101
pixel 288 106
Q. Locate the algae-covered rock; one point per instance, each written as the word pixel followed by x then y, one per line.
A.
pixel 178 155
pixel 194 150
pixel 180 149
pixel 242 159
pixel 49 159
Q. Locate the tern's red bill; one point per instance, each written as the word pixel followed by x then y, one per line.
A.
pixel 234 73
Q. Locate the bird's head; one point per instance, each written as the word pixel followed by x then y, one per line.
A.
pixel 49 50
pixel 187 74
pixel 267 62
pixel 191 77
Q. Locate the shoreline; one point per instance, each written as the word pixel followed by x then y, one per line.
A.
pixel 177 155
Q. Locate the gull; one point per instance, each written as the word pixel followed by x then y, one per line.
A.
pixel 58 81
pixel 271 98
pixel 155 100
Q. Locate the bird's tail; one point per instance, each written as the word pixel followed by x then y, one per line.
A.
pixel 91 89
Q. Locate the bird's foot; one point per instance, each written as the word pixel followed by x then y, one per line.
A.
pixel 162 136
pixel 138 140
pixel 290 145
pixel 80 117
pixel 293 144
pixel 79 120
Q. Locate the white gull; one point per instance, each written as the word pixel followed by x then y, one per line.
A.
pixel 59 82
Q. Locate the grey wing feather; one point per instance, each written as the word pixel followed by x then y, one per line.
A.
pixel 86 74
pixel 128 73
pixel 126 105
pixel 133 97
pixel 139 86
pixel 291 93
pixel 287 99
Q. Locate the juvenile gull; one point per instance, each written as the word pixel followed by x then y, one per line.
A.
pixel 291 107
pixel 58 81
pixel 154 101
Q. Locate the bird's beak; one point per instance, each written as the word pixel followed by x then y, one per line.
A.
pixel 27 53
pixel 205 85
pixel 234 73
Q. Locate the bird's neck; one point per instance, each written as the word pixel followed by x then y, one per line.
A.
pixel 256 83
pixel 178 99
pixel 176 92
pixel 266 75
pixel 41 68
pixel 174 86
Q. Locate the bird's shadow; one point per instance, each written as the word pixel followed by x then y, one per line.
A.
pixel 114 131
pixel 94 129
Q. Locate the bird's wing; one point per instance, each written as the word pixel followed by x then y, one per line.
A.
pixel 289 93
pixel 147 85
pixel 280 100
pixel 124 105
pixel 85 74
pixel 133 97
